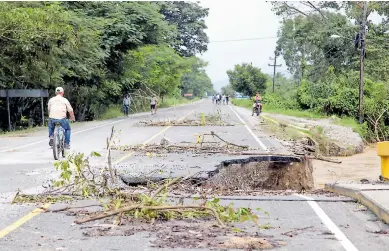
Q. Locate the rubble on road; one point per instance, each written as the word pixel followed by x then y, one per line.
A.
pixel 217 119
pixel 186 122
pixel 331 139
pixel 202 146
pixel 286 173
pixel 206 223
pixel 188 233
pixel 185 148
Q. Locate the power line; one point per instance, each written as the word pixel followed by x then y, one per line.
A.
pixel 243 39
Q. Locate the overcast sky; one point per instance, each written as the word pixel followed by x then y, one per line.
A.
pixel 234 20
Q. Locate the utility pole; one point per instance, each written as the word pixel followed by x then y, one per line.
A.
pixel 362 59
pixel 274 66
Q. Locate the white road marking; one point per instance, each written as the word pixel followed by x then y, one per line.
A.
pixel 88 129
pixel 73 133
pixel 339 235
pixel 250 131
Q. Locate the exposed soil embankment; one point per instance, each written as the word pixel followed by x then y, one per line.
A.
pixel 329 139
pixel 264 172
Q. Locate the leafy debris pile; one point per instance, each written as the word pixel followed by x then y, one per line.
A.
pixel 193 149
pixel 188 233
pixel 202 146
pixel 79 179
pixel 186 122
pixel 203 120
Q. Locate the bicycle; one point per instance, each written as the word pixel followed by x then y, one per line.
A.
pixel 58 141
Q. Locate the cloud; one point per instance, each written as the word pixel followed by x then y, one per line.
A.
pixel 233 20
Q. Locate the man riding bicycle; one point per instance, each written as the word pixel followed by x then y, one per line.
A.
pixel 257 102
pixel 58 107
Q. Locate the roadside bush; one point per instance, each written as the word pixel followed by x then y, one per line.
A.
pixel 338 94
pixel 112 111
pixel 280 101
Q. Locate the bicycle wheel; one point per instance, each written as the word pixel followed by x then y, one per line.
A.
pixel 62 145
pixel 55 144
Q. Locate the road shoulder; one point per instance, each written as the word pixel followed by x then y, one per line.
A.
pixel 374 197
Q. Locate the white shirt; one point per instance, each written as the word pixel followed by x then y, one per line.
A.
pixel 58 107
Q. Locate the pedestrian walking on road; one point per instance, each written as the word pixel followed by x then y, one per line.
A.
pixel 153 105
pixel 126 104
pixel 218 99
pixel 227 98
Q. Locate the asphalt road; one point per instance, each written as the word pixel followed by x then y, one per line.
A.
pixel 318 222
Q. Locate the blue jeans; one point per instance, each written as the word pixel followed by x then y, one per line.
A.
pixel 125 109
pixel 65 125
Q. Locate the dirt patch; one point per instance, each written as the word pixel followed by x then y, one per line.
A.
pixel 15 135
pixel 332 140
pixel 247 242
pixel 188 234
pixel 290 174
pixel 306 142
pixel 366 165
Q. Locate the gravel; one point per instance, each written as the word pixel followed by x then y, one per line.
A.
pixel 343 136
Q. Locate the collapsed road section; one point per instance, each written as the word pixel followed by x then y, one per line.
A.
pixel 228 166
pixel 180 202
pixel 273 172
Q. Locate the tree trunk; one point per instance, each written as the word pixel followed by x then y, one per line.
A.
pixel 82 113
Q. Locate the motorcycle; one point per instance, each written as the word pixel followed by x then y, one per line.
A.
pixel 256 108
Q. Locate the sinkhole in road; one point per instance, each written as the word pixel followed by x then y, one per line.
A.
pixel 270 172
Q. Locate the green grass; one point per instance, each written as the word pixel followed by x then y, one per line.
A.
pixel 347 121
pixel 115 111
pixel 344 121
pixel 21 132
pixel 171 101
pixel 270 109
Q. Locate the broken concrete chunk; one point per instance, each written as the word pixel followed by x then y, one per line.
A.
pixel 165 141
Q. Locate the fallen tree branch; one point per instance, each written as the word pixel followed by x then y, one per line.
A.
pixel 14 198
pixel 130 208
pixel 325 159
pixel 175 180
pixel 108 159
pixel 310 148
pixel 68 207
pixel 294 232
pixel 225 141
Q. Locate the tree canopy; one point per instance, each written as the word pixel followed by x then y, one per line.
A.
pixel 99 51
pixel 318 41
pixel 247 79
pixel 188 18
pixel 196 81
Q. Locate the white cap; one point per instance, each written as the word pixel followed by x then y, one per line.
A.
pixel 59 90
